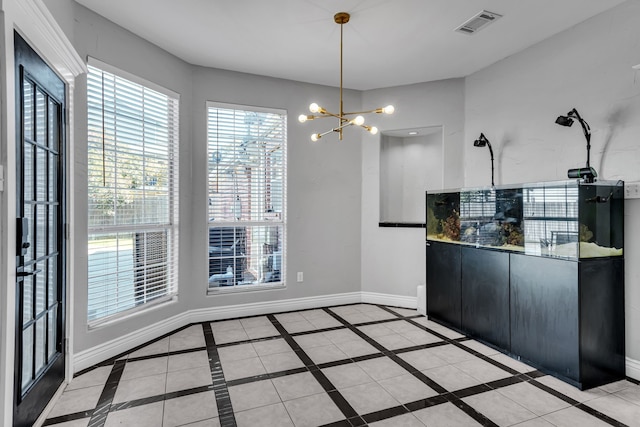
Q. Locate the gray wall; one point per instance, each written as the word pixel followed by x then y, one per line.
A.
pixel 393 259
pixel 323 213
pixel 333 187
pixel 97 37
pixel 515 103
pixel 323 188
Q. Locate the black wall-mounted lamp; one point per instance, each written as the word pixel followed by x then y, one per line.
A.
pixel 481 142
pixel 587 173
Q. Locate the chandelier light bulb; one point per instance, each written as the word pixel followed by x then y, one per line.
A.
pixel 344 119
pixel 358 121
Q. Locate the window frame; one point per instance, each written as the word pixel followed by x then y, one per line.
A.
pixel 260 286
pixel 171 227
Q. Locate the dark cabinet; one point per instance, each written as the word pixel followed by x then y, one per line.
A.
pixel 536 271
pixel 545 313
pixel 485 295
pixel 443 277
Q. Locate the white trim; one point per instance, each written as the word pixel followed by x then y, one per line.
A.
pixel 34 22
pixel 633 368
pixel 259 109
pixel 96 63
pixel 104 351
pixel 46 37
pixel 389 299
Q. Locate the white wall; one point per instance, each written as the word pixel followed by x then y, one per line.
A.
pixel 393 259
pixel 515 103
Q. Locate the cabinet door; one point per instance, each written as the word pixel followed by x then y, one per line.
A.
pixel 545 313
pixel 602 336
pixel 485 295
pixel 443 283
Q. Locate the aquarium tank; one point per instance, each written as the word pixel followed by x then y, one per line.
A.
pixel 564 219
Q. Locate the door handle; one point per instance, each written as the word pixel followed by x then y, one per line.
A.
pixel 28 273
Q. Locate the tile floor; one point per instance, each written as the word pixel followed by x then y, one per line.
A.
pixel 352 365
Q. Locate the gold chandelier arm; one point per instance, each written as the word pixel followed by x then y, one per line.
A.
pixel 337 116
pixel 377 110
pixel 387 110
pixel 344 119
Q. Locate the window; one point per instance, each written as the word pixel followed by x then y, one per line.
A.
pixel 132 192
pixel 247 192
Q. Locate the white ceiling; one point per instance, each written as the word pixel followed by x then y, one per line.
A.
pixel 386 43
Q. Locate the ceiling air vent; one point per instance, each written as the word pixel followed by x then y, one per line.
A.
pixel 478 22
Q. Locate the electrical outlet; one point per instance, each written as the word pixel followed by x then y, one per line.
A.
pixel 632 190
pixel 300 277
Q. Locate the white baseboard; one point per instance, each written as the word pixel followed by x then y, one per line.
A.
pixel 258 308
pixel 109 349
pixel 102 352
pixel 389 299
pixel 633 368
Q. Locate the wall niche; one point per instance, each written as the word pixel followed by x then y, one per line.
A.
pixel 410 163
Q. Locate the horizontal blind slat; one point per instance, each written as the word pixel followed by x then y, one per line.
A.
pixel 133 197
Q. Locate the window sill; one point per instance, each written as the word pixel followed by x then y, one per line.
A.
pixel 133 312
pixel 244 288
pixel 402 224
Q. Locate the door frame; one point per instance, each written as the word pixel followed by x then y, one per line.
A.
pixel 33 21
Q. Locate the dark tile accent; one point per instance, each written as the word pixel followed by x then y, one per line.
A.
pixel 390 310
pixel 458 343
pixel 535 374
pixel 553 392
pixel 392 355
pixel 267 376
pixel 470 391
pixel 420 347
pixel 170 353
pixel 486 422
pixel 385 413
pixel 99 416
pixel 334 394
pixel 352 360
pixel 426 403
pixel 342 423
pixel 316 331
pixel 505 382
pixel 220 386
pixel 138 402
pixel 341 403
pixel 600 415
pixel 68 417
pixel 223 400
pixel 357 422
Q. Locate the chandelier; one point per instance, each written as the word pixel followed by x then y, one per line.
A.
pixel 344 118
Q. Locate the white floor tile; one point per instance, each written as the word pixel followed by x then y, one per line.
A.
pixel 188 409
pixel 139 416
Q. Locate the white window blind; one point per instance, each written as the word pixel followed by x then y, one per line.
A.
pixel 132 194
pixel 247 195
